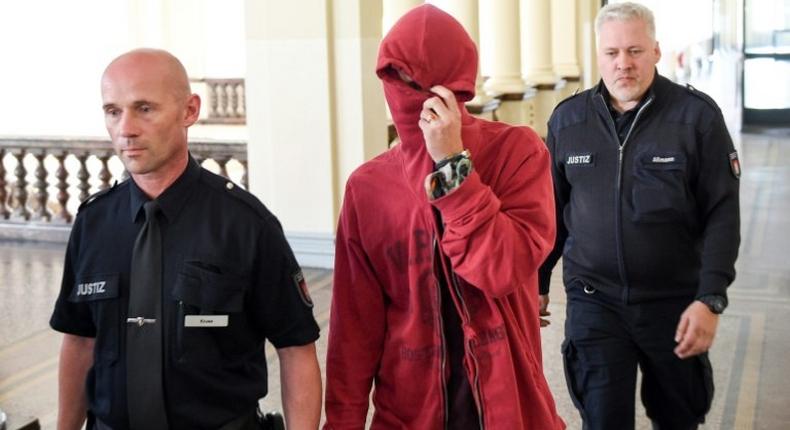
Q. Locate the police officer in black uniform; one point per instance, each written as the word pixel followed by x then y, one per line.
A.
pixel 646 185
pixel 228 280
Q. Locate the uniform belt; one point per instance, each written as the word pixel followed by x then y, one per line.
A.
pixel 244 422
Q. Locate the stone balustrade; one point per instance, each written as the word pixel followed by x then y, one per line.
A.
pixel 43 179
pixel 225 99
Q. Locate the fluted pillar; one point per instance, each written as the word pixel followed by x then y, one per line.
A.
pixel 563 39
pixel 393 10
pixel 585 39
pixel 499 38
pixel 536 59
pixel 536 42
pixel 467 12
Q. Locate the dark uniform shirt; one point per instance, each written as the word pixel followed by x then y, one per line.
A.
pixel 623 120
pixel 224 253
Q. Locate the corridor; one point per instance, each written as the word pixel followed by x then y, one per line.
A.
pixel 749 355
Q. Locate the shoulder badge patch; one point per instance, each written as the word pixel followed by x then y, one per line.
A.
pixel 301 288
pixel 735 165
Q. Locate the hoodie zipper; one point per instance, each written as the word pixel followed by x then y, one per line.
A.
pixel 452 282
pixel 476 381
pixel 618 214
pixel 443 347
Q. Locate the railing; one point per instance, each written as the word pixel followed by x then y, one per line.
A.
pixel 44 179
pixel 225 99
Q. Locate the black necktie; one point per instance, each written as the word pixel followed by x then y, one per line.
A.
pixel 144 387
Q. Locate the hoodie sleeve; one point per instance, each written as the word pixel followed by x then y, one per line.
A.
pixel 497 239
pixel 357 327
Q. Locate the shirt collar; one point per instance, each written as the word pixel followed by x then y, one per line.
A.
pixel 172 199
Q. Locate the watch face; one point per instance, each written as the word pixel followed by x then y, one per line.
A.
pixel 716 304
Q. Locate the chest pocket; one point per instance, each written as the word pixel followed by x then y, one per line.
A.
pixel 209 289
pixel 660 192
pixel 101 292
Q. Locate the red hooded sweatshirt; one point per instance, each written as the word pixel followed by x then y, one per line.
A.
pixel 386 324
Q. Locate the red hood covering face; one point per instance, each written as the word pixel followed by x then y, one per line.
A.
pixel 432 48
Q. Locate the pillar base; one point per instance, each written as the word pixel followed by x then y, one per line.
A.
pixel 504 85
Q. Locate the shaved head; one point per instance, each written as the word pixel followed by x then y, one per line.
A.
pixel 148 107
pixel 157 64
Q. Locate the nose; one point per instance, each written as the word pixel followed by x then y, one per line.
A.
pixel 127 126
pixel 623 61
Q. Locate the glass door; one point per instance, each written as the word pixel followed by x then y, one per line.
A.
pixel 766 68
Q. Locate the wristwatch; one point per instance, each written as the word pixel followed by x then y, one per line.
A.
pixel 448 175
pixel 715 302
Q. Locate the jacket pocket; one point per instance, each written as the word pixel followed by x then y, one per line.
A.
pixel 210 323
pixel 101 292
pixel 660 192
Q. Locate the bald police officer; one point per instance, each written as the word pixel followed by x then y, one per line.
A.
pixel 226 280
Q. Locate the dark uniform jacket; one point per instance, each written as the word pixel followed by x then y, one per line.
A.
pixel 655 217
pixel 224 254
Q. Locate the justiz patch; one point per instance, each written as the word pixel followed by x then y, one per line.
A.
pixel 579 160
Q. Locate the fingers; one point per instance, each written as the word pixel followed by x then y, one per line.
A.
pixel 694 343
pixel 444 105
pixel 696 330
pixel 543 309
pixel 447 97
pixel 682 327
pixel 440 122
pixel 428 116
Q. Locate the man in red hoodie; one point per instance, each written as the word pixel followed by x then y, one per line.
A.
pixel 438 244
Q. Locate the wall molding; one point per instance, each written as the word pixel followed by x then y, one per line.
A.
pixel 313 249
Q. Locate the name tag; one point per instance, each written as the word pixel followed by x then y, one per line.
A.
pixel 205 321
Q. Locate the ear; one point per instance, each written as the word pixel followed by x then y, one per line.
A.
pixel 657 52
pixel 192 111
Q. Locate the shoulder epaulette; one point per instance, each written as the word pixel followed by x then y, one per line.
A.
pixel 570 97
pixel 701 95
pixel 226 186
pixel 98 195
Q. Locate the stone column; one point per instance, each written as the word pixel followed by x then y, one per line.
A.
pixel 467 13
pixel 393 10
pixel 536 42
pixel 587 10
pixel 500 48
pixel 563 44
pixel 536 59
pixel 499 38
